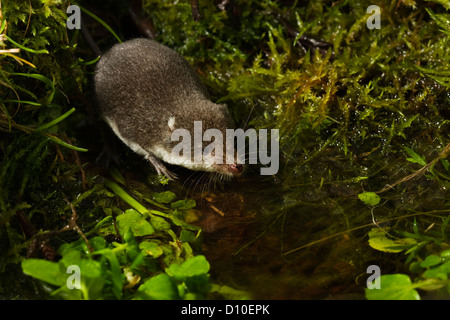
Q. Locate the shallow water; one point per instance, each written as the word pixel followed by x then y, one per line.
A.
pixel 254 231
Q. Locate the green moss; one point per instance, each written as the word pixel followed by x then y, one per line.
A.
pixel 346 114
pixel 367 113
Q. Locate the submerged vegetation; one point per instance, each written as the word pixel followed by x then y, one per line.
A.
pixel 364 128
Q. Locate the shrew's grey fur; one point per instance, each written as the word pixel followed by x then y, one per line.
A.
pixel 145 91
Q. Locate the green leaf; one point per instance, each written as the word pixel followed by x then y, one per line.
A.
pixel 440 272
pixel 71 257
pixel 24 48
pixel 415 158
pixel 160 287
pixel 230 293
pixel 132 246
pixel 174 218
pixel 183 204
pixel 133 220
pixel 117 277
pixel 369 198
pixel 187 236
pixel 62 143
pixel 446 164
pixel 42 78
pixel 126 197
pixel 445 254
pixel 195 266
pixel 379 241
pixel 430 261
pixel 92 280
pixel 197 287
pixel 103 23
pixel 445 3
pixel 44 270
pixel 151 249
pixel 442 20
pixel 55 121
pixel 90 268
pixel 159 223
pixel 164 197
pixel 393 287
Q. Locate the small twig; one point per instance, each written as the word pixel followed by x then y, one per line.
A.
pixel 358 228
pixel 195 11
pixel 260 235
pixel 217 210
pixel 29 18
pixel 78 163
pixel 444 154
pixel 72 225
pixel 14 50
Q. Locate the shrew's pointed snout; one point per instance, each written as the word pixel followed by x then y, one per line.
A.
pixel 236 169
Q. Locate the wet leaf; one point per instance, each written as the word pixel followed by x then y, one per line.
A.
pixel 430 261
pixel 195 266
pixel 135 222
pixel 151 248
pixel 378 240
pixel 445 254
pixel 164 197
pixel 183 204
pixel 160 287
pixel 187 236
pixel 393 287
pixel 415 158
pixel 159 223
pixel 117 277
pixel 369 198
pixel 44 270
pixel 439 272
